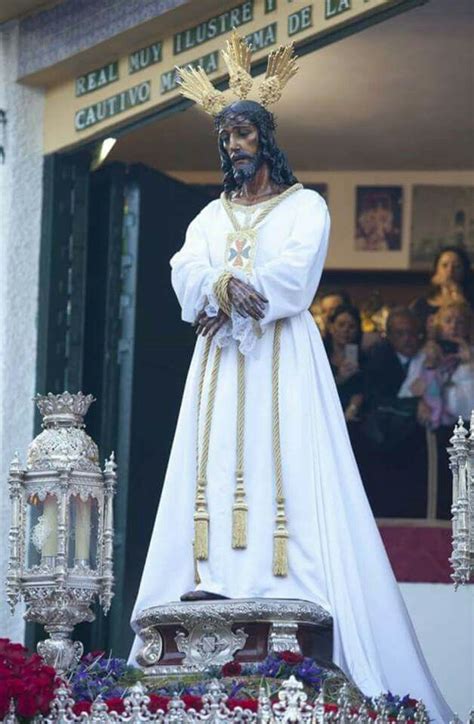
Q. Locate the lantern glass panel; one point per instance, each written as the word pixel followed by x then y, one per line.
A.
pixel 41 530
pixel 84 531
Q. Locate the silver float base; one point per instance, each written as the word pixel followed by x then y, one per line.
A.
pixel 188 637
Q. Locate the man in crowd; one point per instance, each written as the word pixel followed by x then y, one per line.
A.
pixel 389 361
pixel 392 450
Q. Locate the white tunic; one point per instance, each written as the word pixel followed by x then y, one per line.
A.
pixel 336 556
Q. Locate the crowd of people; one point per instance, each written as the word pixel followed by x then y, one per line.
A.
pixel 403 387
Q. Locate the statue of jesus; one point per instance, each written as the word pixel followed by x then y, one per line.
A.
pixel 262 496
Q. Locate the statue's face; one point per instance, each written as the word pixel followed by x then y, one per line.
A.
pixel 239 139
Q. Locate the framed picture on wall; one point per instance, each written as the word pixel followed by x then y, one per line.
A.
pixel 442 216
pixel 378 219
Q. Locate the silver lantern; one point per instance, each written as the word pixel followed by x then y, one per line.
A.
pixel 61 535
pixel 461 462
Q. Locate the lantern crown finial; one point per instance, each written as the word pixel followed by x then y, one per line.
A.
pixel 66 408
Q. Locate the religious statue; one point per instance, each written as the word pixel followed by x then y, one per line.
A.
pixel 262 496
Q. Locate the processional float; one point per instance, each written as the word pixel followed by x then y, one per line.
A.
pixel 61 559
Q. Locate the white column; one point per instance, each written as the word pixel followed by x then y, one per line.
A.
pixel 20 217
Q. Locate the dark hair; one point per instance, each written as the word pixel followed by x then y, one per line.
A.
pixel 463 257
pixel 280 171
pixel 401 313
pixel 343 309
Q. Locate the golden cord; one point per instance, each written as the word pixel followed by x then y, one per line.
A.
pixel 222 293
pixel 201 514
pixel 280 536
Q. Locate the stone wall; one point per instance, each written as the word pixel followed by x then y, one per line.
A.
pixel 72 26
pixel 20 219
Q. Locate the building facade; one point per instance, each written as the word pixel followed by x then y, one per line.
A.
pixel 84 295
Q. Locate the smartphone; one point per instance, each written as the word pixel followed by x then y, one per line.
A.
pixel 448 347
pixel 351 353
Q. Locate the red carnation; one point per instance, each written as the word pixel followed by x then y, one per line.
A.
pixel 115 703
pixel 3 646
pixel 251 704
pixel 290 657
pixel 158 702
pixel 232 668
pixel 26 705
pixel 192 702
pixel 15 658
pixel 17 687
pixel 4 703
pixel 44 699
pixel 82 706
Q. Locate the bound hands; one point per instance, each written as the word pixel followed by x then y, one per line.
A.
pixel 246 301
pixel 209 326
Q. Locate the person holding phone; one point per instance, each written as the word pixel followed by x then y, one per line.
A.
pixel 444 375
pixel 342 341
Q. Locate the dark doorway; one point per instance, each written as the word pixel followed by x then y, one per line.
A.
pixel 163 346
pixel 124 340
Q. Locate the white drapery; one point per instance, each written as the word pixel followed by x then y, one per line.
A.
pixel 336 556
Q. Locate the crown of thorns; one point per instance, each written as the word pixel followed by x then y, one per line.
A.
pixel 281 66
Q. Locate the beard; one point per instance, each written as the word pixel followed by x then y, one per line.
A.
pixel 246 172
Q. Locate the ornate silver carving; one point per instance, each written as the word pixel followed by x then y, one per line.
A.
pixel 210 644
pixel 283 637
pixel 461 462
pixel 68 408
pixel 63 442
pixel 152 651
pixel 241 610
pixel 59 651
pixel 210 636
pixel 292 703
pixel 292 706
pixel 62 474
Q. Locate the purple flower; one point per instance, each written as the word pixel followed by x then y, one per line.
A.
pixel 196 689
pixel 271 666
pixel 309 672
pixel 235 688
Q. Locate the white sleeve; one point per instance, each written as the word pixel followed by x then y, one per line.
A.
pixel 289 282
pixel 460 391
pixel 414 371
pixel 192 275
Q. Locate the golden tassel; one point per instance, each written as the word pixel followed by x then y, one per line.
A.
pixel 239 515
pixel 197 577
pixel 280 542
pixel 201 524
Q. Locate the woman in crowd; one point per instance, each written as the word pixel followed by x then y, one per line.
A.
pixel 451 282
pixel 443 379
pixel 325 304
pixel 444 374
pixel 342 342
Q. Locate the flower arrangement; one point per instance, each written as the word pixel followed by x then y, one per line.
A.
pixel 25 679
pixel 31 684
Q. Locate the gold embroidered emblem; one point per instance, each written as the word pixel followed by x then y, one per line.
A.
pixel 241 249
